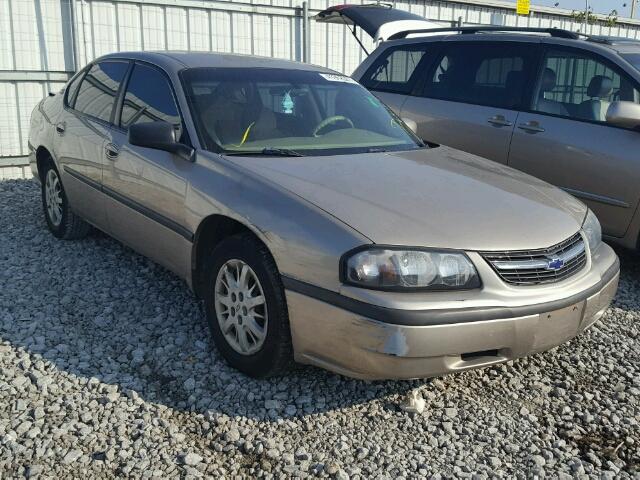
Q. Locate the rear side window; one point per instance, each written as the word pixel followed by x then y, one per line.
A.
pixel 493 75
pixel 149 98
pixel 98 90
pixel 396 70
pixel 72 89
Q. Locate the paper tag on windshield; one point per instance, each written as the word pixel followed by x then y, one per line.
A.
pixel 337 78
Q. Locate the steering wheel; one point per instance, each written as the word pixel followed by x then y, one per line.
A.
pixel 329 121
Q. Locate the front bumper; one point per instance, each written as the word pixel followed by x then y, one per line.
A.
pixel 347 342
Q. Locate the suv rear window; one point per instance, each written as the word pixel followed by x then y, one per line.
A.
pixel 395 70
pixel 480 74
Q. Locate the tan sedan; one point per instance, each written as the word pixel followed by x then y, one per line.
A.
pixel 312 222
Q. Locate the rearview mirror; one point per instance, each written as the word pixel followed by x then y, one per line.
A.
pixel 624 114
pixel 160 136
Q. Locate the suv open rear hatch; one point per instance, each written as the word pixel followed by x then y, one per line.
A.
pixel 379 21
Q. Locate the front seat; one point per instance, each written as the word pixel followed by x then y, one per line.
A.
pixel 236 115
pixel 547 84
pixel 596 108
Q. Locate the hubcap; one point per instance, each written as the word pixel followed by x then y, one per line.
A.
pixel 241 309
pixel 53 197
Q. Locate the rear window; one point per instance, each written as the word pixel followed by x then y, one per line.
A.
pixel 492 75
pixel 396 69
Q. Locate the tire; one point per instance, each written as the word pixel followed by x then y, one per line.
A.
pixel 62 222
pixel 269 351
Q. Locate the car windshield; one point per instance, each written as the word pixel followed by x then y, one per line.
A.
pixel 633 59
pixel 296 112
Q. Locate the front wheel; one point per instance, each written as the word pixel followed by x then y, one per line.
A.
pixel 62 222
pixel 246 307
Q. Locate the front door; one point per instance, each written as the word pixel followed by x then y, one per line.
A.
pixel 145 188
pixel 566 141
pixel 471 96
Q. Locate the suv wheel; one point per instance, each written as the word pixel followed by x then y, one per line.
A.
pixel 246 307
pixel 62 222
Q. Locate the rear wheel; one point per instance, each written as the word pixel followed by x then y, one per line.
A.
pixel 246 307
pixel 62 222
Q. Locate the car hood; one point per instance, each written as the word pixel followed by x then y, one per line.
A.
pixel 438 197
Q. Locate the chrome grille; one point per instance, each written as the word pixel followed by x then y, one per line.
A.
pixel 535 267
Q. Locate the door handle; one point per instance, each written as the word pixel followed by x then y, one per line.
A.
pixel 111 151
pixel 499 121
pixel 60 128
pixel 531 127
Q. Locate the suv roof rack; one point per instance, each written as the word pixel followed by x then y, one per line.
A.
pixel 611 40
pixel 554 32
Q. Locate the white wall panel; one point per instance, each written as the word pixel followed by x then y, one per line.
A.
pixel 221 31
pixel 25 31
pixel 6 41
pixel 241 33
pixel 282 35
pixel 103 21
pixel 129 32
pixel 261 35
pixel 199 35
pixel 177 30
pixel 9 128
pixel 153 28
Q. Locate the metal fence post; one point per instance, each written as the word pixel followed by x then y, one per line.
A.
pixel 306 34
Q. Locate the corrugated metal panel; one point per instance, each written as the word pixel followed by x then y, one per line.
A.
pixel 36 36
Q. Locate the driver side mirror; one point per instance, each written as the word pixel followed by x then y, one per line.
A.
pixel 624 114
pixel 159 136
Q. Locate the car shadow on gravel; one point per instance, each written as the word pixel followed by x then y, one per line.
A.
pixel 97 310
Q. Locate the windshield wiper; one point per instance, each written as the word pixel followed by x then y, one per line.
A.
pixel 268 151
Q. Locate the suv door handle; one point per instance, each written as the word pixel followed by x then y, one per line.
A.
pixel 111 151
pixel 531 127
pixel 60 128
pixel 499 121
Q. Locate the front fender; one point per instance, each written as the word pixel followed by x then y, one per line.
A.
pixel 305 241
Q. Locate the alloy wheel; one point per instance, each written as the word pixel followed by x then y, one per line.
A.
pixel 241 308
pixel 53 197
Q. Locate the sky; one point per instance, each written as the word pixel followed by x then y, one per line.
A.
pixel 598 6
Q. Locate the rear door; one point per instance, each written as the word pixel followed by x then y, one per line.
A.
pixel 470 95
pixel 82 132
pixel 394 73
pixel 564 139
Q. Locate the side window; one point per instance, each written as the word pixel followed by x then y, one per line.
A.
pixel 491 75
pixel 149 98
pixel 72 89
pixel 99 88
pixel 396 69
pixel 579 86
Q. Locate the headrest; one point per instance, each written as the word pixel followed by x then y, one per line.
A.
pixel 548 81
pixel 600 86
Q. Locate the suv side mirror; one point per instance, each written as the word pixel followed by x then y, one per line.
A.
pixel 624 114
pixel 413 126
pixel 160 136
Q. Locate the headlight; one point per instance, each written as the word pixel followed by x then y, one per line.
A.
pixel 391 269
pixel 592 230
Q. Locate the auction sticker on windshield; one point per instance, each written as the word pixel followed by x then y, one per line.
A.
pixel 337 78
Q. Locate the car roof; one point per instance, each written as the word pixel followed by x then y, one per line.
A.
pixel 179 60
pixel 593 42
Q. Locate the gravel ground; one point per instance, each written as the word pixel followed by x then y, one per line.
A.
pixel 106 369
